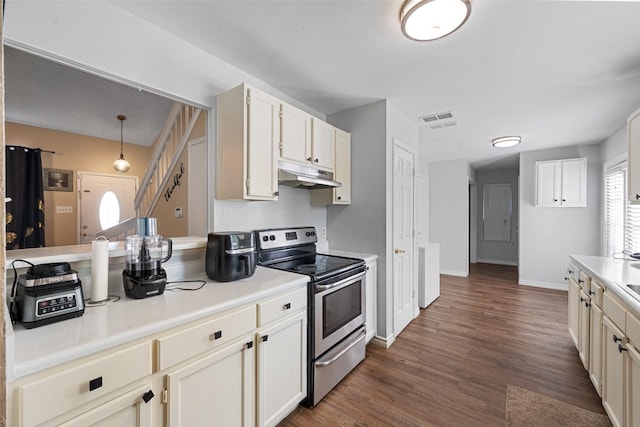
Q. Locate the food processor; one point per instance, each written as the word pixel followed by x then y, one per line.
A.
pixel 143 276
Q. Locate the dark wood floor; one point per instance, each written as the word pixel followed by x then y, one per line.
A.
pixel 452 364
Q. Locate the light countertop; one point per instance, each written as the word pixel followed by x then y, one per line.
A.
pixel 348 254
pixel 614 275
pixel 107 326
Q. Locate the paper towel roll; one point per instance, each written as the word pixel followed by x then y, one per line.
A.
pixel 99 269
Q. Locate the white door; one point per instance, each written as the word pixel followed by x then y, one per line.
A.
pixel 104 201
pixel 404 301
pixel 197 208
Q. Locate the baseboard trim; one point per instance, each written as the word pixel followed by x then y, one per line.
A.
pixel 497 261
pixel 383 342
pixel 545 285
pixel 454 273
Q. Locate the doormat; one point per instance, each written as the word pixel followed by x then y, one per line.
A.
pixel 528 409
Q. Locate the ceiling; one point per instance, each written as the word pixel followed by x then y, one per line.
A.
pixel 558 73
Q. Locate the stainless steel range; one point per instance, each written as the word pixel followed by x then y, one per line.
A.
pixel 336 300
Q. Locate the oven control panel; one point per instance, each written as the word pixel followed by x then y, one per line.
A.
pixel 285 237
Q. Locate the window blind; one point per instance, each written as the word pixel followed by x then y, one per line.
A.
pixel 622 227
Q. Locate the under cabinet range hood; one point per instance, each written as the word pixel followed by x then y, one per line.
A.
pixel 299 176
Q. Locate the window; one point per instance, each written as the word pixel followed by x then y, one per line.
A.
pixel 109 210
pixel 622 219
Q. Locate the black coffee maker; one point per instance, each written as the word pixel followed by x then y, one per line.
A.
pixel 143 276
pixel 230 256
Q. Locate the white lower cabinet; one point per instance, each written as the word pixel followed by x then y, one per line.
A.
pixel 613 372
pixel 584 344
pixel 371 279
pixel 282 370
pixel 129 409
pixel 633 388
pixel 595 361
pixel 244 367
pixel 574 310
pixel 217 389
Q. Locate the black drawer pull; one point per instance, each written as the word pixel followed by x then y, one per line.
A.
pixel 215 336
pixel 621 348
pixel 616 339
pixel 148 396
pixel 95 383
pixel 287 306
pixel 265 338
pixel 249 345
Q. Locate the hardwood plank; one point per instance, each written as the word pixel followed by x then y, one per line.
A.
pixel 452 364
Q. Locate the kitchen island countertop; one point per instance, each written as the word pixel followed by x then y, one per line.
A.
pixel 126 320
pixel 614 275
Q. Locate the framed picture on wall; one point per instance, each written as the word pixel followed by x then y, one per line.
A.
pixel 57 179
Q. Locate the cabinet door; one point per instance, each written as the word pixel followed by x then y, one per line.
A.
pixel 613 371
pixel 263 132
pixel 217 389
pixel 323 144
pixel 633 387
pixel 371 292
pixel 342 195
pixel 595 347
pixel 282 368
pixel 574 183
pixel 633 157
pixel 583 326
pixel 548 187
pixel 129 409
pixel 295 135
pixel 574 307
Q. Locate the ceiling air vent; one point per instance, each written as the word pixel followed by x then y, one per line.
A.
pixel 440 120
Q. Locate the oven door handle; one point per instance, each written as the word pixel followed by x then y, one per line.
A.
pixel 321 288
pixel 363 333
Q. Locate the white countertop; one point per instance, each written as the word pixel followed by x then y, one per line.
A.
pixel 103 327
pixel 614 275
pixel 336 252
pixel 75 253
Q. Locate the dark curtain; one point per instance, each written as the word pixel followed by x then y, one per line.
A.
pixel 25 211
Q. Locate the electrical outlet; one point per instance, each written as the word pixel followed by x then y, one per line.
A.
pixel 323 232
pixel 179 213
pixel 64 209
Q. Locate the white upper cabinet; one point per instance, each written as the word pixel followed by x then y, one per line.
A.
pixel 561 183
pixel 323 144
pixel 247 142
pixel 633 157
pixel 295 136
pixel 340 195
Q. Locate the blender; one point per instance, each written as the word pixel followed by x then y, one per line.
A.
pixel 144 276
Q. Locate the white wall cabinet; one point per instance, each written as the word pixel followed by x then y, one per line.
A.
pixel 633 156
pixel 295 136
pixel 323 144
pixel 561 183
pixel 342 174
pixel 248 136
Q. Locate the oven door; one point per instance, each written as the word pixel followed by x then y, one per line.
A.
pixel 339 310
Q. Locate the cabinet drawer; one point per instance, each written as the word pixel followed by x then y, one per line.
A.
pixel 281 306
pixel 596 293
pixel 614 311
pixel 574 272
pixel 633 330
pixel 49 397
pixel 585 282
pixel 186 343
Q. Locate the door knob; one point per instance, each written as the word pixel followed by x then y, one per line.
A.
pixel 399 251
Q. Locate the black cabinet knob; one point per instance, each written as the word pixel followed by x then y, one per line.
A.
pixel 621 348
pixel 95 383
pixel 616 339
pixel 148 396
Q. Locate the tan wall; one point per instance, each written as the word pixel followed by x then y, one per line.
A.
pixel 78 153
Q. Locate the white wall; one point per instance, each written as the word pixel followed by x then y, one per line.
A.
pixel 614 146
pixel 549 235
pixel 449 213
pixel 82 34
pixel 498 252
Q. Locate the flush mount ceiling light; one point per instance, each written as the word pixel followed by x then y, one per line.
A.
pixel 121 165
pixel 424 20
pixel 506 141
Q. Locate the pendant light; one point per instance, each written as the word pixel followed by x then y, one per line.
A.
pixel 424 20
pixel 121 165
